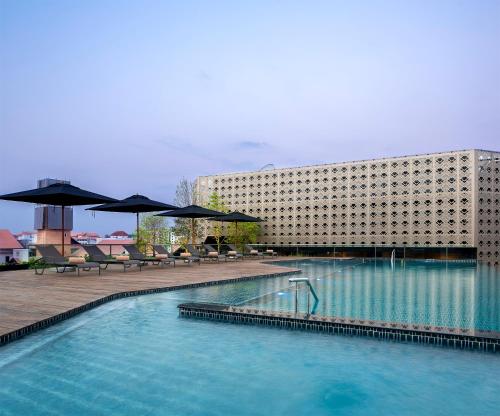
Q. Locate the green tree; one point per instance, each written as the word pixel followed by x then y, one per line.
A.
pixel 216 228
pixel 153 230
pixel 243 233
pixel 185 194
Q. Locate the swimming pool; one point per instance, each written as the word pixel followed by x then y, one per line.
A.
pixel 442 294
pixel 135 356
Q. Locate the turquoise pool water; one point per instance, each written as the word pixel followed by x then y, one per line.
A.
pixel 136 357
pixel 461 295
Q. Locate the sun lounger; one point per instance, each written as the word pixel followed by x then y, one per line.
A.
pixel 98 256
pixel 270 253
pixel 252 253
pixel 135 254
pixel 213 254
pixel 233 253
pixel 52 258
pixel 191 255
pixel 195 253
pixel 187 259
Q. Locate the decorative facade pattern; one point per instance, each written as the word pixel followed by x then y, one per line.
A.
pixel 446 199
pixel 488 206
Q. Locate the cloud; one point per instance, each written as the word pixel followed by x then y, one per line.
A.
pixel 204 76
pixel 251 144
pixel 176 143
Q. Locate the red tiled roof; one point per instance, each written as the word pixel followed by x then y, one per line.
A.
pixel 84 234
pixel 119 234
pixel 8 241
pixel 116 242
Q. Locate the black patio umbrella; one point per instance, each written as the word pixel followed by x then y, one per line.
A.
pixel 236 217
pixel 134 204
pixel 60 194
pixel 193 212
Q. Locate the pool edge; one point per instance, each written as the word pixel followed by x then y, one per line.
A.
pixel 341 326
pixel 47 322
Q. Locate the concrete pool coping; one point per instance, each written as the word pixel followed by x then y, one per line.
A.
pixel 402 332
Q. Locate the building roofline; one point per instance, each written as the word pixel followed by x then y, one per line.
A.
pixel 348 162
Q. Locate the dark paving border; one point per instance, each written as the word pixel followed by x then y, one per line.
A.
pixel 44 323
pixel 421 334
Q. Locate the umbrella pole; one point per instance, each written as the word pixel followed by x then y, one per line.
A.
pixel 192 231
pixel 137 222
pixel 236 234
pixel 62 228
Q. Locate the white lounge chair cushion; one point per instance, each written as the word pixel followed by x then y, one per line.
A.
pixel 161 256
pixel 76 260
pixel 232 253
pixel 254 252
pixel 269 251
pixel 185 254
pixel 212 254
pixel 122 257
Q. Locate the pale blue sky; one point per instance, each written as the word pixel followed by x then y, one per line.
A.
pixel 124 97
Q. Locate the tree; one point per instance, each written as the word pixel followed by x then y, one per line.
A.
pixel 216 228
pixel 153 230
pixel 243 233
pixel 185 194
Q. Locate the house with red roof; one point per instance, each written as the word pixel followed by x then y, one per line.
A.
pixel 11 249
pixel 26 238
pixel 85 237
pixel 119 235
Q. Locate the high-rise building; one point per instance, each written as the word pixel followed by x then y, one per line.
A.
pixel 448 200
pixel 48 219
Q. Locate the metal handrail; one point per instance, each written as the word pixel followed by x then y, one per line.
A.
pixel 298 280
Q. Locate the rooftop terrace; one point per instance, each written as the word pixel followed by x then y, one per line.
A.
pixel 29 302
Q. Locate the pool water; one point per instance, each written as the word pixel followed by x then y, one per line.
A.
pixel 460 295
pixel 136 357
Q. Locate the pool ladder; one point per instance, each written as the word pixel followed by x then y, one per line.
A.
pixel 297 281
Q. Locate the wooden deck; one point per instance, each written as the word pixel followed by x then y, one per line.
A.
pixel 27 299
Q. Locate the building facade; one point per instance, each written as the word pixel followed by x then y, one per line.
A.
pixel 48 218
pixel 443 200
pixel 11 249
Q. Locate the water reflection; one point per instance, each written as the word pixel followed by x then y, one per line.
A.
pixel 438 294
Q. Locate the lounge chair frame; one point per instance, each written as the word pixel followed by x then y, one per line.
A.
pixel 238 256
pixel 251 255
pixel 135 254
pixel 98 256
pixel 51 258
pixel 211 249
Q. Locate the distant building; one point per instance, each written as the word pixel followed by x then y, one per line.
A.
pixel 26 238
pixel 10 248
pixel 86 238
pixel 114 246
pixel 119 235
pixel 434 204
pixel 48 219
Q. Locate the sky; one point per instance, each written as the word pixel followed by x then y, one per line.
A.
pixel 128 97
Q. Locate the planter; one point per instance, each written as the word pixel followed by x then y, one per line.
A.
pixel 8 267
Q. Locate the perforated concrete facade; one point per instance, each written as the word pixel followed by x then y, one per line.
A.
pixel 443 199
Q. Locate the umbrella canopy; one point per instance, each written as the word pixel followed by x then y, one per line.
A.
pixel 193 212
pixel 60 194
pixel 236 217
pixel 134 204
